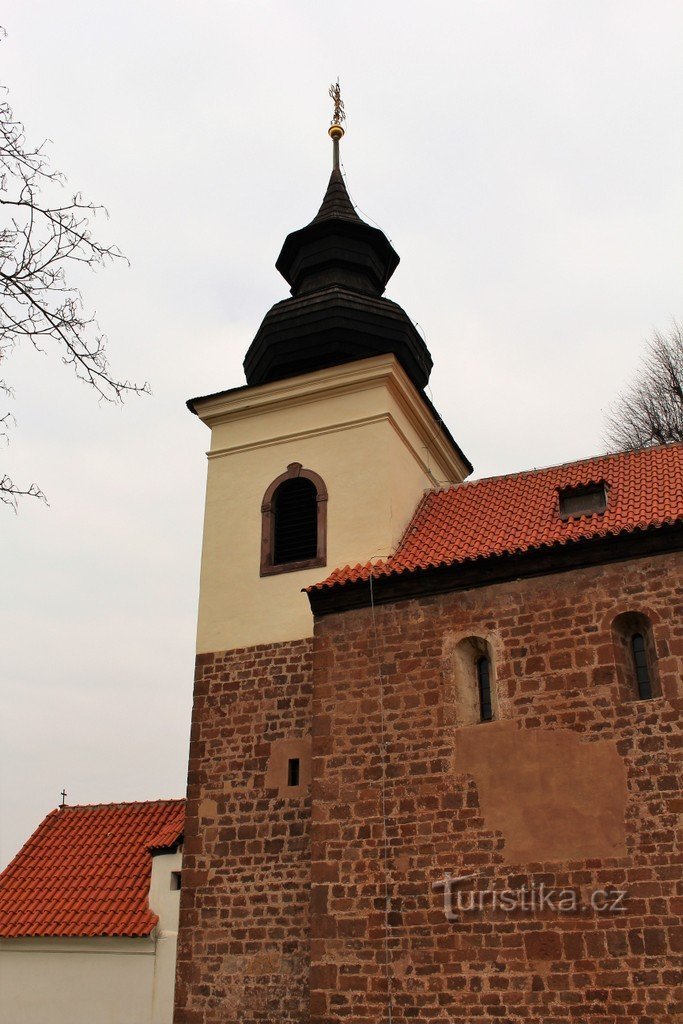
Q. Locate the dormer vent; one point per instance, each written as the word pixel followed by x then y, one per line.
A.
pixel 584 500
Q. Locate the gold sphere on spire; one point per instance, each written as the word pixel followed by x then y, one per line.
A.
pixel 335 132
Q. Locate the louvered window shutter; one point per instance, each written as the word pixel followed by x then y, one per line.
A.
pixel 296 521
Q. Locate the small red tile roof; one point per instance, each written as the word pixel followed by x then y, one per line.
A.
pixel 508 515
pixel 86 870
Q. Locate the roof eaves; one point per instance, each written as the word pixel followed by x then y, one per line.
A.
pixel 192 403
pixel 321 595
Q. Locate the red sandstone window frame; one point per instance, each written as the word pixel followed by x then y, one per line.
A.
pixel 268 566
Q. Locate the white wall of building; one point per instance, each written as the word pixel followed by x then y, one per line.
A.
pixel 165 902
pixel 96 980
pixel 76 981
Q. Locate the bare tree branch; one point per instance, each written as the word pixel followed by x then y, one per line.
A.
pixel 42 239
pixel 650 411
pixel 11 492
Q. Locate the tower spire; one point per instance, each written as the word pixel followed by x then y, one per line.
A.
pixel 337 267
pixel 336 129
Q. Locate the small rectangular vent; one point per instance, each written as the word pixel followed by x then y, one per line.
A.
pixel 175 880
pixel 586 500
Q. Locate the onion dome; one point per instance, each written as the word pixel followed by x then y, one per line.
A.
pixel 337 268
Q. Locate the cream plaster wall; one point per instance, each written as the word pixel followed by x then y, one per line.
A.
pixel 370 435
pixel 76 981
pixel 96 980
pixel 165 902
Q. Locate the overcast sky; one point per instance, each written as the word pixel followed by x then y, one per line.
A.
pixel 524 157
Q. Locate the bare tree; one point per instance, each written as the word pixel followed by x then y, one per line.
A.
pixel 45 236
pixel 650 411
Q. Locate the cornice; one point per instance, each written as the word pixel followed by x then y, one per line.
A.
pixel 335 428
pixel 243 402
pixel 362 375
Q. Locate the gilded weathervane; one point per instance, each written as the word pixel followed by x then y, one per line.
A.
pixel 336 130
pixel 339 113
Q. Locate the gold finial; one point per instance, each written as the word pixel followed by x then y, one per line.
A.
pixel 336 130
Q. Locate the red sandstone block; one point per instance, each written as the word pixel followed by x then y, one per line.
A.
pixel 655 941
pixel 352 927
pixel 324 871
pixel 323 976
pixel 319 1003
pixel 323 926
pixel 543 945
pixel 573 947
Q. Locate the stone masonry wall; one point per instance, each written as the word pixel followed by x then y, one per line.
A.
pixel 575 786
pixel 283 910
pixel 243 949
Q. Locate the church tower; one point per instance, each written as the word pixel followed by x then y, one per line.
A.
pixel 492 707
pixel 317 462
pixel 320 459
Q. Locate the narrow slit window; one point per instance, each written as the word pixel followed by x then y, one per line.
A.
pixel 641 665
pixel 293 771
pixel 176 880
pixel 484 683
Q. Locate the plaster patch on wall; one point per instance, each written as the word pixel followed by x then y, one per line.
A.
pixel 280 753
pixel 551 796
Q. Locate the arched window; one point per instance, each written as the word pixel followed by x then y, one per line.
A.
pixel 473 680
pixel 635 655
pixel 294 522
pixel 484 684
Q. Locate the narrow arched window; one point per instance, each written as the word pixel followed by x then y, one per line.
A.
pixel 639 651
pixel 473 679
pixel 294 522
pixel 484 684
pixel 635 655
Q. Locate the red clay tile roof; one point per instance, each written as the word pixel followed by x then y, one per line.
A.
pixel 86 870
pixel 513 514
